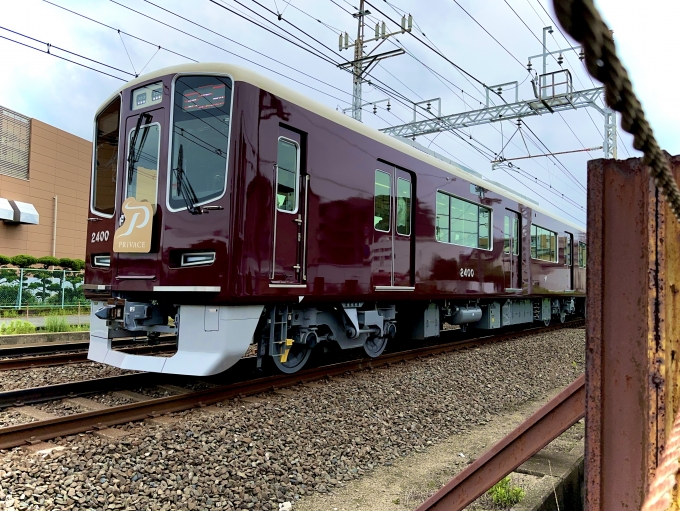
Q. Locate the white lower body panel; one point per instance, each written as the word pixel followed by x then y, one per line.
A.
pixel 211 339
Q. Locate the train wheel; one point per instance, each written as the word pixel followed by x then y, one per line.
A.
pixel 374 346
pixel 298 355
pixel 546 322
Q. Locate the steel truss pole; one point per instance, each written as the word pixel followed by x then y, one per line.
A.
pixel 569 101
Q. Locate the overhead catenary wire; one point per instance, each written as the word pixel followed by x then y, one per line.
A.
pixel 467 142
pixel 48 52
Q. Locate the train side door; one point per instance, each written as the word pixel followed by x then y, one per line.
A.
pixel 511 251
pixel 392 250
pixel 569 259
pixel 290 191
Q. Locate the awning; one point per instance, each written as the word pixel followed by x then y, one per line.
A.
pixel 24 212
pixel 6 210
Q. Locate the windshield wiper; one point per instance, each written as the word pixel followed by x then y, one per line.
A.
pixel 133 157
pixel 184 186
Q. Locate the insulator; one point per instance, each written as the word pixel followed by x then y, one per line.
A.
pixel 384 29
pixel 560 59
pixel 340 42
pixel 410 22
pixel 428 105
pixel 346 40
pixel 375 109
pixel 499 91
pixel 377 30
pixel 581 55
pixel 403 24
pixel 388 105
pixel 529 66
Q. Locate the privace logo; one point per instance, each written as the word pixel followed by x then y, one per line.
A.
pixel 135 233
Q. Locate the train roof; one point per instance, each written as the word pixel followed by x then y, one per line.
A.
pixel 242 74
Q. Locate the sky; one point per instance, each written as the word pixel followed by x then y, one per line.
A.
pixel 66 94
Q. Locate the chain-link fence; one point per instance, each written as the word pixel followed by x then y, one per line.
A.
pixel 30 288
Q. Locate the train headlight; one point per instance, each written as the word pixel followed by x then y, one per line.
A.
pixel 197 258
pixel 103 261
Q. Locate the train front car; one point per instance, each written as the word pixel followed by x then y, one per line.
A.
pixel 227 210
pixel 158 236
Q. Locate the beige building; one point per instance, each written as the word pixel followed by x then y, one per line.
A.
pixel 44 188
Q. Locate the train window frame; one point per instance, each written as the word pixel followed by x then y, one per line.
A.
pixel 409 215
pixel 375 201
pixel 297 174
pixel 158 160
pixel 93 177
pixel 479 207
pixel 170 139
pixel 582 254
pixel 534 250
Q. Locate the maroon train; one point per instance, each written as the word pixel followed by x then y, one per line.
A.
pixel 228 209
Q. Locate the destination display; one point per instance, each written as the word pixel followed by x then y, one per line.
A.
pixel 205 97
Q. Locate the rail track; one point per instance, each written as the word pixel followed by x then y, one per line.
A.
pixel 244 385
pixel 45 355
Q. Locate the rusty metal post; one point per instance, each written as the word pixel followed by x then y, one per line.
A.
pixel 632 340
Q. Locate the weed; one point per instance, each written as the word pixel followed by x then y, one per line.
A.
pixel 395 501
pixel 432 485
pixel 17 326
pixel 504 495
pixel 9 313
pixel 56 324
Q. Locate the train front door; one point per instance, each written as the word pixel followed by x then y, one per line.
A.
pixel 137 236
pixel 392 249
pixel 511 251
pixel 290 208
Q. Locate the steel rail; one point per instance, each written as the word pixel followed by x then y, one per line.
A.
pixel 550 421
pixel 14 436
pixel 72 356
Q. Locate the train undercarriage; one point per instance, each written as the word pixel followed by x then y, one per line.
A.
pixel 212 338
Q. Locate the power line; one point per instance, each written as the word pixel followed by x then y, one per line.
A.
pixel 119 31
pixel 48 52
pixel 236 54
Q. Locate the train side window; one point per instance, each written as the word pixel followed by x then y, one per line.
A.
pixel 567 250
pixel 105 167
pixel 383 201
pixel 582 254
pixel 403 207
pixel 462 223
pixel 543 244
pixel 287 169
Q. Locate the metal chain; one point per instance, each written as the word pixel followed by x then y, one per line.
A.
pixel 583 22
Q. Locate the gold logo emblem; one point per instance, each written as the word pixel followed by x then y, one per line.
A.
pixel 135 233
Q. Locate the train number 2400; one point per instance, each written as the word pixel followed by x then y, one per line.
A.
pixel 467 272
pixel 100 236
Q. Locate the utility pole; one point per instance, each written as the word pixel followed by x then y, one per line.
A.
pixel 362 64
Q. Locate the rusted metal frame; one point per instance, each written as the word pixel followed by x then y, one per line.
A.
pixel 14 436
pixel 527 439
pixel 632 339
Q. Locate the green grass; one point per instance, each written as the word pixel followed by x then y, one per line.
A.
pixel 17 326
pixel 504 495
pixel 59 324
pixel 9 313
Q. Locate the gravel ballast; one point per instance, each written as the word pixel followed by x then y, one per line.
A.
pixel 257 453
pixel 16 379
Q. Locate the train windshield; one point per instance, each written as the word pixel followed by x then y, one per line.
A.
pixel 201 120
pixel 106 159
